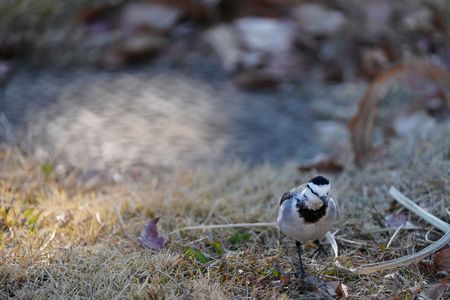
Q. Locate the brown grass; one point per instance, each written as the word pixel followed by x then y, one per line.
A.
pixel 94 251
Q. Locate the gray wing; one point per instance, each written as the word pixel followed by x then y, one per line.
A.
pixel 286 196
pixel 291 193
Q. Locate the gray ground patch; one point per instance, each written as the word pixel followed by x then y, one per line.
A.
pixel 158 115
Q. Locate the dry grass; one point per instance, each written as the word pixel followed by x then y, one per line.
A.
pixel 92 251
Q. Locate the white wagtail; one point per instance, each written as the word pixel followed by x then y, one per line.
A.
pixel 306 213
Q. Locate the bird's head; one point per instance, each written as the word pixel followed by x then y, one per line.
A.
pixel 317 192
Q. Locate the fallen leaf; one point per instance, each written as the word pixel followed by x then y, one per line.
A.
pixel 342 290
pixel 442 260
pixel 322 164
pixel 331 287
pixel 443 276
pixel 150 237
pixel 435 291
pixel 413 291
pixel 395 220
pixel 284 279
pixel 427 267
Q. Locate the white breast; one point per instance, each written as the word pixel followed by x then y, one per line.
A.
pixel 293 226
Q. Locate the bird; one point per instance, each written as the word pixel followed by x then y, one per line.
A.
pixel 306 213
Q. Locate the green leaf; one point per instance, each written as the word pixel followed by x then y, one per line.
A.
pixel 240 237
pixel 2 244
pixel 218 247
pixel 275 272
pixel 196 254
pixel 3 212
pixel 47 169
pixel 33 219
pixel 29 217
pixel 27 213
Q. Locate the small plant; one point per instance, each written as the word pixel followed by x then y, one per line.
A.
pixel 48 170
pixel 196 254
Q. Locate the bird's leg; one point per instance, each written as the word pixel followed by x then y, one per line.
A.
pixel 299 252
pixel 320 248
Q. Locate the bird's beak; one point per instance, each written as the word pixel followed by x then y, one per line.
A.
pixel 324 199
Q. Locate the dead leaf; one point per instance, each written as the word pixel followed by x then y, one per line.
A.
pixel 442 260
pixel 395 220
pixel 443 275
pixel 322 163
pixel 435 291
pixel 284 279
pixel 342 290
pixel 150 237
pixel 336 288
pixel 427 267
pixel 331 287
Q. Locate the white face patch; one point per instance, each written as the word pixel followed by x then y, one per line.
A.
pixel 321 190
pixel 314 203
pixel 311 201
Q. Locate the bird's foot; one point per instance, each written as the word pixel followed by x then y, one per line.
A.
pixel 301 273
pixel 320 249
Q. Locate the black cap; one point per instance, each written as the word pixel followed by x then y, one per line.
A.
pixel 319 180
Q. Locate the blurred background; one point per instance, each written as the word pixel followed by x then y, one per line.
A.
pixel 113 84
